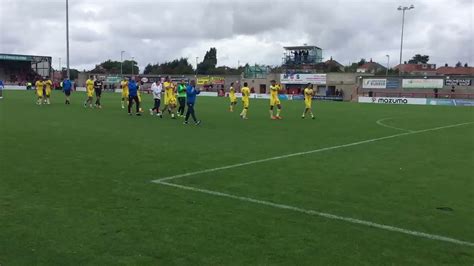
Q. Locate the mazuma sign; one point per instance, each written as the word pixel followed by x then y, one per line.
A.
pixel 390 100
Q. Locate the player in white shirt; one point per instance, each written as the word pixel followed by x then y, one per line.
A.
pixel 156 89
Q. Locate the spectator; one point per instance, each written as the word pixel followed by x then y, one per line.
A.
pixel 1 89
pixel 435 93
pixel 305 55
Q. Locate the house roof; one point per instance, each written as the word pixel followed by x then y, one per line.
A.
pixel 371 65
pixel 456 71
pixel 304 47
pixel 409 68
pixel 332 62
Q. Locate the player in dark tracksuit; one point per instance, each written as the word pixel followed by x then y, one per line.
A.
pixel 133 96
pixel 98 86
pixel 191 93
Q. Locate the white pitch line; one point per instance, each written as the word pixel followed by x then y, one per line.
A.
pixel 379 122
pixel 324 215
pixel 305 152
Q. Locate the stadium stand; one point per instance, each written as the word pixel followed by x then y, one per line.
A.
pixel 19 69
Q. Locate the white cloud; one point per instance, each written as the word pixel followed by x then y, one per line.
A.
pixel 241 30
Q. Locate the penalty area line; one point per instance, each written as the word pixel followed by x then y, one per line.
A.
pixel 322 214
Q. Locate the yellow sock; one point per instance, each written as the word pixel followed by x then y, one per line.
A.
pixel 278 112
pixel 271 113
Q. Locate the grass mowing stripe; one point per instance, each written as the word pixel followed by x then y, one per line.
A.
pixel 305 152
pixel 323 214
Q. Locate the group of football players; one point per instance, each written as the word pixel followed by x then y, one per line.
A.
pixel 176 95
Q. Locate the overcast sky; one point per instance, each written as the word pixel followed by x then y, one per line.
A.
pixel 242 30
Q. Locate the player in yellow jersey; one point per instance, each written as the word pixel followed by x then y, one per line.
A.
pixel 308 99
pixel 124 86
pixel 170 98
pixel 39 84
pixel 232 97
pixel 245 100
pixel 174 100
pixel 89 91
pixel 48 89
pixel 274 100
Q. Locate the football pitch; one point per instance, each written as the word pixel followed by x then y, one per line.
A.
pixel 361 184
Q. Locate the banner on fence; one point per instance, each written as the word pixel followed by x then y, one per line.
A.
pixel 422 83
pixel 374 84
pixel 458 82
pixel 418 101
pixel 392 100
pixel 393 83
pixel 317 79
pixel 210 81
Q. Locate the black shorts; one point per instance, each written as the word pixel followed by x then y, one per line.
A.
pixel 67 93
pixel 98 92
pixel 157 103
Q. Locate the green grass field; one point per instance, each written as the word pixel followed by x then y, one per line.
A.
pixel 75 185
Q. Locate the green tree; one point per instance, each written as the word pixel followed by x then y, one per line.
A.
pixel 209 63
pixel 149 69
pixel 113 67
pixel 225 70
pixel 176 67
pixel 392 71
pixel 419 59
pixel 353 67
pixel 362 62
pixel 127 68
pixel 74 73
pixel 333 68
pixel 277 70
